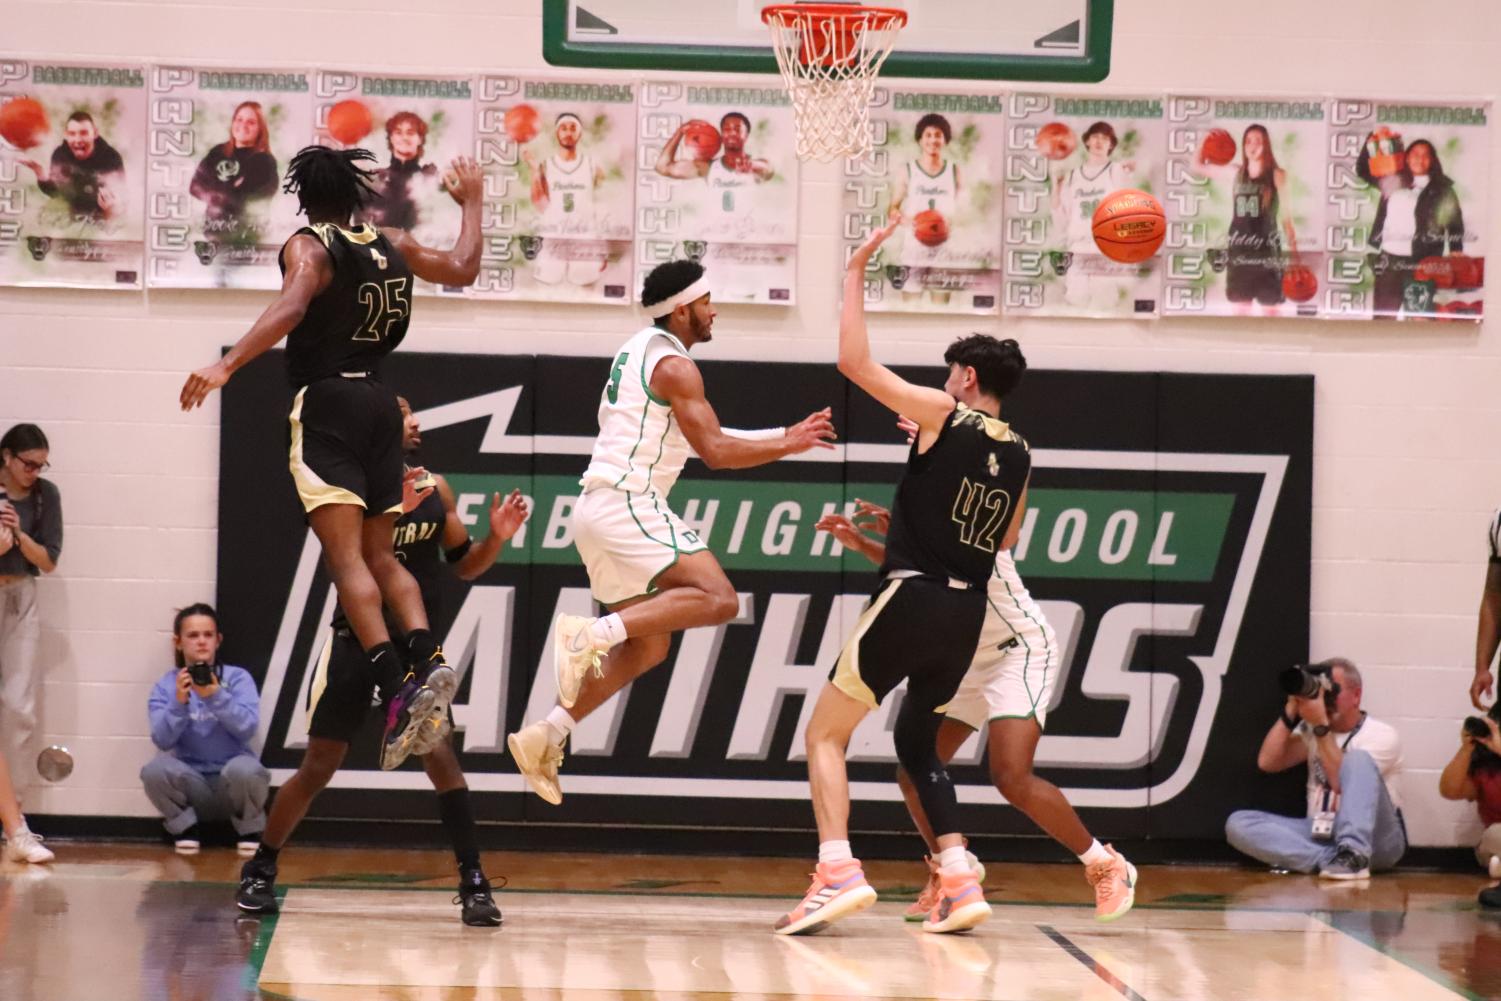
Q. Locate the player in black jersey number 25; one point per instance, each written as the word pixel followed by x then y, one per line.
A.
pixel 956 504
pixel 344 305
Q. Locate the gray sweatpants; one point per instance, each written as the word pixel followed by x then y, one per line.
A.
pixel 184 796
pixel 20 676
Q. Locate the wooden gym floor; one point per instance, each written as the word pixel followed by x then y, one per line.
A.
pixel 137 922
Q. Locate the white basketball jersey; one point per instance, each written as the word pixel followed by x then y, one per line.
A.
pixel 1083 190
pixel 570 194
pixel 731 193
pixel 1011 601
pixel 925 191
pixel 640 445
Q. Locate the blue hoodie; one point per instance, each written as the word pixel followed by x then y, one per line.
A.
pixel 206 733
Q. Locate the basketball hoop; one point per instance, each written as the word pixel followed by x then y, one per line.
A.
pixel 830 55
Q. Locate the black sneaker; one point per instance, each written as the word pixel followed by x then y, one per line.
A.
pixel 1490 897
pixel 189 841
pixel 257 893
pixel 1347 865
pixel 479 905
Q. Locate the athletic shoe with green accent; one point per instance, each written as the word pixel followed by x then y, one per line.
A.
pixel 573 656
pixel 537 759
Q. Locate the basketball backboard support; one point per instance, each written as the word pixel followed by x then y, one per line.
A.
pixel 1056 40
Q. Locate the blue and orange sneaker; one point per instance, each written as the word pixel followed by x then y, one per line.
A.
pixel 961 903
pixel 839 889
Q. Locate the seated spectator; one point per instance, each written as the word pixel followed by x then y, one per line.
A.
pixel 1474 774
pixel 203 717
pixel 1354 823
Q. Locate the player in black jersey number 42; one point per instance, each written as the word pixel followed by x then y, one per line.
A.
pixel 344 305
pixel 956 505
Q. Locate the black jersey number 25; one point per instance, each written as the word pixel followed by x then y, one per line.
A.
pixel 385 303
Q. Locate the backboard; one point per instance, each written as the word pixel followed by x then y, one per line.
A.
pixel 1057 40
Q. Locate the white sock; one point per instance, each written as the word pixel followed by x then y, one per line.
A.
pixel 954 861
pixel 606 632
pixel 834 851
pixel 1095 853
pixel 561 725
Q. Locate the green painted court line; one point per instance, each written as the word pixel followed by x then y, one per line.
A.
pixel 1436 976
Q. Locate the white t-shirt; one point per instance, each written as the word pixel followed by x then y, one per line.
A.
pixel 1372 736
pixel 1401 223
pixel 570 198
pixel 1083 189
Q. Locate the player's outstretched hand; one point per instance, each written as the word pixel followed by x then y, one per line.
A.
pixel 872 517
pixel 908 427
pixel 200 384
pixel 814 431
pixel 877 237
pixel 463 180
pixel 842 529
pixel 507 516
pixel 411 494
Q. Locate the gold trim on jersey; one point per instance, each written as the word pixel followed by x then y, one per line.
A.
pixel 847 670
pixel 311 488
pixel 362 234
pixel 320 674
pixel 994 427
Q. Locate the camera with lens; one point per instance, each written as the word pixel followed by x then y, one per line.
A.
pixel 1309 681
pixel 202 674
pixel 1476 726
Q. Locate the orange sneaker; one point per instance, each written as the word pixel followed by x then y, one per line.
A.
pixel 919 909
pixel 1114 884
pixel 961 903
pixel 839 889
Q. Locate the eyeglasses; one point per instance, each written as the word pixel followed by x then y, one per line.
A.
pixel 32 467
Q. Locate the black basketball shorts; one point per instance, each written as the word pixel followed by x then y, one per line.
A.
pixel 346 445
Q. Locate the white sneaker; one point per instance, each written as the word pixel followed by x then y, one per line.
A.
pixel 23 846
pixel 538 758
pixel 573 656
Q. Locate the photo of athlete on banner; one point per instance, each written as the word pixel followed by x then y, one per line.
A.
pixel 1411 196
pixel 559 204
pixel 933 173
pixel 722 189
pixel 415 126
pixel 71 138
pixel 219 141
pixel 1245 188
pixel 1068 154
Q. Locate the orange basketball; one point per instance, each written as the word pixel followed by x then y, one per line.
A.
pixel 349 121
pixel 1218 147
pixel 522 123
pixel 702 139
pixel 1299 283
pixel 1056 141
pixel 930 227
pixel 1129 225
pixel 23 122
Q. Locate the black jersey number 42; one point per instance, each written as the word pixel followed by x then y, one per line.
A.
pixel 385 303
pixel 979 511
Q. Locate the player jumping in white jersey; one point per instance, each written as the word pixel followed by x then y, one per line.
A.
pixel 563 188
pixel 653 573
pixel 1007 690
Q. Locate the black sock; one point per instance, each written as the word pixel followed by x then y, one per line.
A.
pixel 388 667
pixel 458 821
pixel 265 855
pixel 420 647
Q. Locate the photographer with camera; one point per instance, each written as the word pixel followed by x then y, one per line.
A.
pixel 1474 774
pixel 1354 822
pixel 203 716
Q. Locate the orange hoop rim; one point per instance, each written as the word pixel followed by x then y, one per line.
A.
pixel 885 17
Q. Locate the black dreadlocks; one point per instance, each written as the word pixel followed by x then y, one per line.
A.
pixel 329 182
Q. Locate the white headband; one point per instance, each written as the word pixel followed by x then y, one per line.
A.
pixel 697 290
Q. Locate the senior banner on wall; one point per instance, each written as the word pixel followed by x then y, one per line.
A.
pixel 560 178
pixel 1245 202
pixel 1065 155
pixel 220 142
pixel 1408 201
pixel 415 126
pixel 935 166
pixel 718 184
pixel 72 172
pixel 1167 540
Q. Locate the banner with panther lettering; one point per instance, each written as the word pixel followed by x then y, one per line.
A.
pixel 1064 156
pixel 560 183
pixel 1166 540
pixel 415 126
pixel 1245 202
pixel 935 166
pixel 1408 205
pixel 220 141
pixel 719 185
pixel 72 174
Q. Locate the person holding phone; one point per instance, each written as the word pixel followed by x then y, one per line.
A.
pixel 204 713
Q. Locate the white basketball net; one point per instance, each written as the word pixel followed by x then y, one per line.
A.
pixel 829 57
